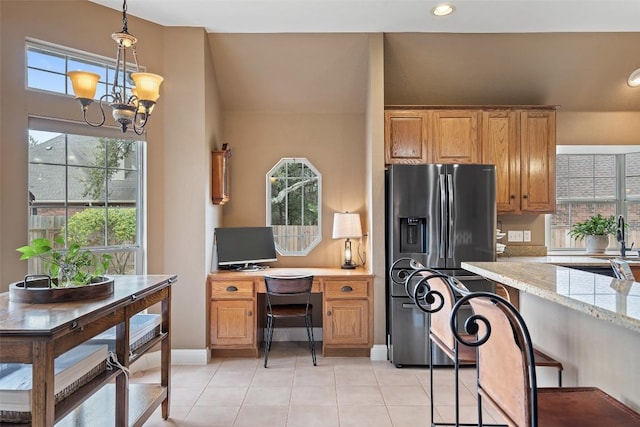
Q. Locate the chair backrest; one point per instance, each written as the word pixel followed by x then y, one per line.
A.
pixel 506 372
pixel 288 285
pixel 440 294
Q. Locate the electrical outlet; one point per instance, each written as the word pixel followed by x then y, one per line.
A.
pixel 515 236
pixel 526 235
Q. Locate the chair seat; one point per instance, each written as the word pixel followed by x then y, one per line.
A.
pixel 289 310
pixel 543 359
pixel 466 354
pixel 584 407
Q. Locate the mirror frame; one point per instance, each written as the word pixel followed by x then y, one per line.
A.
pixel 288 160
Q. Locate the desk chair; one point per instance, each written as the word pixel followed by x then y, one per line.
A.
pixel 507 375
pixel 288 286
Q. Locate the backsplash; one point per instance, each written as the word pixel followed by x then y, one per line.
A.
pixel 524 250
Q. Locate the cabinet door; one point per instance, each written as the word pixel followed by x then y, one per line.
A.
pixel 500 147
pixel 537 161
pixel 346 322
pixel 405 136
pixel 455 137
pixel 232 323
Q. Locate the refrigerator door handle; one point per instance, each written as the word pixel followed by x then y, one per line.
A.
pixel 450 214
pixel 443 215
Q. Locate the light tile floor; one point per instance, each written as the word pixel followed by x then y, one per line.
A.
pixel 291 392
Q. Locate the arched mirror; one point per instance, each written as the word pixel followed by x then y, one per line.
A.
pixel 294 189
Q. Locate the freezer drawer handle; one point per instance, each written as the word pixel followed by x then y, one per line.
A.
pixel 346 288
pixel 408 305
pixel 232 289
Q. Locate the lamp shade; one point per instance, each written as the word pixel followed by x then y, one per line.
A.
pixel 84 83
pixel 346 225
pixel 147 85
pixel 140 106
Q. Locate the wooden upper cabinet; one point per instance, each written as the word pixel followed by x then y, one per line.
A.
pixel 537 166
pixel 220 188
pixel 501 147
pixel 456 136
pixel 405 136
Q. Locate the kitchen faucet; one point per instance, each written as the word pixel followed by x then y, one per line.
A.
pixel 620 237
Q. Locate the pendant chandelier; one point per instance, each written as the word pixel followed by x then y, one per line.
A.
pixel 140 99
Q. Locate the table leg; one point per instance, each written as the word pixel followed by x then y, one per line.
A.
pixel 42 388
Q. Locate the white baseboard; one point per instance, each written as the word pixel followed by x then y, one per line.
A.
pixel 379 352
pixel 178 357
pixel 201 356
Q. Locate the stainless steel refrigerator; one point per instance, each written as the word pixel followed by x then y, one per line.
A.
pixel 439 215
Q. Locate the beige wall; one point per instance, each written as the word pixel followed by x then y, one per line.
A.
pixel 185 126
pixel 333 143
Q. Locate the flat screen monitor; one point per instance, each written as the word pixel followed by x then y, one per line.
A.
pixel 244 247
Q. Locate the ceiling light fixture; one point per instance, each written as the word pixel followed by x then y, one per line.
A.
pixel 140 99
pixel 634 78
pixel 443 9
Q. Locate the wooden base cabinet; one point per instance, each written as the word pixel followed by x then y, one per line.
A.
pixel 347 305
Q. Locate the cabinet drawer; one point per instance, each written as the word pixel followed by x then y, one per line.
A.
pixel 346 289
pixel 231 289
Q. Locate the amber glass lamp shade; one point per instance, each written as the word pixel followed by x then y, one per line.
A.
pixel 139 105
pixel 84 84
pixel 147 86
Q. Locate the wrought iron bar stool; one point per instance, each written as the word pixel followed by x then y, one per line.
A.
pixel 507 375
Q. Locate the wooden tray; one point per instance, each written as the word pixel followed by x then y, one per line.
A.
pixel 39 292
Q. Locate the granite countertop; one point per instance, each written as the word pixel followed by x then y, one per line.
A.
pixel 613 300
pixel 569 260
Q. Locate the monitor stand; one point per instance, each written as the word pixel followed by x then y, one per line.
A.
pixel 250 267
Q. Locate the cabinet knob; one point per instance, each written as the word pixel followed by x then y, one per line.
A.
pixel 328 313
pixel 249 313
pixel 524 196
pixel 513 196
pixel 232 289
pixel 346 288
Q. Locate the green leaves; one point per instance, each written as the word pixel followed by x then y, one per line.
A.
pixel 596 225
pixel 75 265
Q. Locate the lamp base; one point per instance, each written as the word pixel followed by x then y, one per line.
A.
pixel 348 266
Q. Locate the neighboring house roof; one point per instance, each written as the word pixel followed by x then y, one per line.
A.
pixel 47 172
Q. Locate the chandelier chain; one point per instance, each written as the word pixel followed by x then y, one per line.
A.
pixel 124 17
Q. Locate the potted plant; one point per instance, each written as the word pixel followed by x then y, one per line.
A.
pixel 73 267
pixel 595 231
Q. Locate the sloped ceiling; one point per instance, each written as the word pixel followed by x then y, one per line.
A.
pixel 577 71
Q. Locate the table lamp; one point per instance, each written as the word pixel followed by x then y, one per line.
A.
pixel 345 226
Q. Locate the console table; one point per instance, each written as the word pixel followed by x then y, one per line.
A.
pixel 236 317
pixel 38 333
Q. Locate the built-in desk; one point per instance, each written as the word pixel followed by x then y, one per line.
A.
pixel 38 333
pixel 235 314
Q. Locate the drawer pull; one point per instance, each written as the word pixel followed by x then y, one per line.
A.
pixel 346 288
pixel 232 289
pixel 74 324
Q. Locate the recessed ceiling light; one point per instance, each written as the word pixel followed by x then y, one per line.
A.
pixel 634 78
pixel 443 9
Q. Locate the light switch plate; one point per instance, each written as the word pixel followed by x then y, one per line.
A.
pixel 527 235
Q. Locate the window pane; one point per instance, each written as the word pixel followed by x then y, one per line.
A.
pixel 633 187
pixel 45 80
pixel 86 227
pixel 605 188
pixel 605 165
pixel 121 153
pixel 46 147
pixel 47 184
pixel 581 166
pixel 123 262
pixel 632 161
pixel 45 61
pixel 122 230
pixel 85 151
pixel 633 221
pixel 86 186
pixel 581 188
pixel 91 67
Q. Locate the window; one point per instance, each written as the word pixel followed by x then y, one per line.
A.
pixel 294 189
pixel 87 189
pixel 590 183
pixel 47 68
